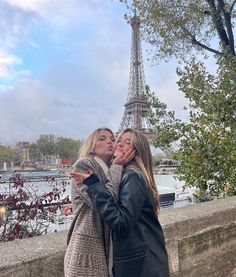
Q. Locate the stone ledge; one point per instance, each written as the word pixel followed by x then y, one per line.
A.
pixel 198 243
pixel 200 216
pixel 37 256
pixel 200 235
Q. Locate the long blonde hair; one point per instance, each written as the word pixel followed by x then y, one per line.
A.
pixel 87 148
pixel 142 162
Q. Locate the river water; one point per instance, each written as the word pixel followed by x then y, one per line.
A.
pixel 165 184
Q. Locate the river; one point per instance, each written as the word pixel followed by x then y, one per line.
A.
pixel 165 183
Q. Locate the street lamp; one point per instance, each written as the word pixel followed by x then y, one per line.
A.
pixel 3 210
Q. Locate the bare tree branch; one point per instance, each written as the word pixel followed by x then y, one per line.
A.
pixel 197 43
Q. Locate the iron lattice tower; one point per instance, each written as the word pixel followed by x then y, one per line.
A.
pixel 136 106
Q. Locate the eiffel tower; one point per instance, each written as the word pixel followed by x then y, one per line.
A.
pixel 136 106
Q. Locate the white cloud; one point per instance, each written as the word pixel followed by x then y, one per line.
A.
pixel 14 24
pixel 61 13
pixel 6 58
pixel 29 4
pixel 83 86
pixel 7 62
pixel 4 70
pixel 23 22
pixel 60 105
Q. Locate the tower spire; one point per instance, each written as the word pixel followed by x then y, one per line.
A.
pixel 136 106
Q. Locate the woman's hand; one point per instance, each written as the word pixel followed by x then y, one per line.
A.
pixel 81 176
pixel 124 158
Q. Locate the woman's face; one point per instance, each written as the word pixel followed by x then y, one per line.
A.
pixel 123 144
pixel 104 146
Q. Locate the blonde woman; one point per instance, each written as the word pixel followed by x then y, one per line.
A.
pixel 87 254
pixel 138 240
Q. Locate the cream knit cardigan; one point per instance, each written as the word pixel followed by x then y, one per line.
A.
pixel 87 254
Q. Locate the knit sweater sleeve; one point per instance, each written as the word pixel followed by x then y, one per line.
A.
pixel 79 189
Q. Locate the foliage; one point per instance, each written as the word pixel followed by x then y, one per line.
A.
pixel 7 153
pixel 207 148
pixel 67 148
pixel 166 127
pixel 34 152
pixel 45 148
pixel 26 213
pixel 206 144
pixel 50 145
pixel 46 145
pixel 176 28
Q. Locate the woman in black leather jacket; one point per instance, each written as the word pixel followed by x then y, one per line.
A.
pixel 138 240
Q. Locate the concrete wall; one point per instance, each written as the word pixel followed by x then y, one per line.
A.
pixel 201 239
pixel 33 257
pixel 201 242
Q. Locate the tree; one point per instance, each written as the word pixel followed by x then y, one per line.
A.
pixel 34 152
pixel 177 27
pixel 67 148
pixel 8 154
pixel 46 145
pixel 165 126
pixel 207 151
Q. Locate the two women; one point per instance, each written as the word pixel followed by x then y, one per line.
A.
pixel 87 254
pixel 138 240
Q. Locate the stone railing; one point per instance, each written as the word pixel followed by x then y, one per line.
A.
pixel 201 239
pixel 201 242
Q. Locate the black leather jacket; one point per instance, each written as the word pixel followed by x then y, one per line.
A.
pixel 138 240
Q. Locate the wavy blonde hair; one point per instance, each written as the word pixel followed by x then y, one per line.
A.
pixel 143 162
pixel 87 148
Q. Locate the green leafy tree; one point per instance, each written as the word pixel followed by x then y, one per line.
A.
pixel 208 150
pixel 46 145
pixel 166 127
pixel 8 154
pixel 177 27
pixel 206 143
pixel 207 146
pixel 34 152
pixel 67 148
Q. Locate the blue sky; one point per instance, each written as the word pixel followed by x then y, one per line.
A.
pixel 64 68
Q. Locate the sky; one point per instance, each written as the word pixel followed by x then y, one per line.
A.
pixel 64 68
